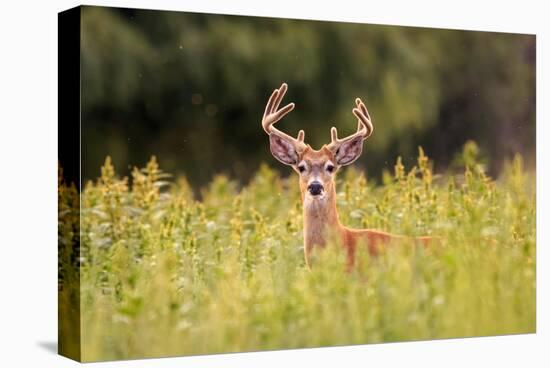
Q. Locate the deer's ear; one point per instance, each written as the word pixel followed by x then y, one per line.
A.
pixel 283 150
pixel 349 151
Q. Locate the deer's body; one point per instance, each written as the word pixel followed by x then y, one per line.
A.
pixel 321 221
pixel 317 169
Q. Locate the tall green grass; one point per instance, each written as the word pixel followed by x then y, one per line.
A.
pixel 163 273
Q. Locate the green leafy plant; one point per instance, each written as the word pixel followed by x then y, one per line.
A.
pixel 165 273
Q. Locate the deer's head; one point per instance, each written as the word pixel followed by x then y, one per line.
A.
pixel 316 168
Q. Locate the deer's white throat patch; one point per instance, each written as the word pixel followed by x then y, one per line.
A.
pixel 316 203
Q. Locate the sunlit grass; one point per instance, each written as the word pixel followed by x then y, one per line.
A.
pixel 163 273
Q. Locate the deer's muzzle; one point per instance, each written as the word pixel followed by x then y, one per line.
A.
pixel 315 188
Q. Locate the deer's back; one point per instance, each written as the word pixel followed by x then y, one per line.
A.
pixel 374 240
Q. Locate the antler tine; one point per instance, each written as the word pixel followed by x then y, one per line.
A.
pixel 333 135
pixel 364 126
pixel 364 116
pixel 272 115
pixel 301 135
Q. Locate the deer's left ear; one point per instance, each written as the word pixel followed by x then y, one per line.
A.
pixel 349 151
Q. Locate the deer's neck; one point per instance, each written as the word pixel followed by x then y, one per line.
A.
pixel 320 219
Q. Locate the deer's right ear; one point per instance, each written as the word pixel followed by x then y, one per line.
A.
pixel 283 150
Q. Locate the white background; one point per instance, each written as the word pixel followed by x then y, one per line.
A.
pixel 28 179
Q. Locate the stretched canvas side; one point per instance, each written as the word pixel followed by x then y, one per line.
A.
pixel 69 184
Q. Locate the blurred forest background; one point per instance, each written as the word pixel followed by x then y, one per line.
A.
pixel 191 89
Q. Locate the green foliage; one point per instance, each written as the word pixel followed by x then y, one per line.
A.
pixel 163 273
pixel 69 258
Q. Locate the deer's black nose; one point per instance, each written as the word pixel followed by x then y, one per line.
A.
pixel 315 188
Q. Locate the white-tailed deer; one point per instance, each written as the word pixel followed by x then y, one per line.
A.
pixel 317 169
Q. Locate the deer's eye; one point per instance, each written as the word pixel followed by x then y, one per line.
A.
pixel 330 168
pixel 301 168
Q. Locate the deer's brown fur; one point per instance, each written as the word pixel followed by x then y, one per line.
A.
pixel 317 170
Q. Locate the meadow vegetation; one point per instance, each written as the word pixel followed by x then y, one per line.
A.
pixel 166 271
